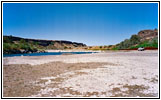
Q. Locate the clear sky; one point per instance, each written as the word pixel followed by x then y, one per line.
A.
pixel 89 23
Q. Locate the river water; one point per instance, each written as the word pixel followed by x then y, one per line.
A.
pixel 46 53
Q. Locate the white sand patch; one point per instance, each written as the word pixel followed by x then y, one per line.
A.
pixel 131 69
pixel 46 91
pixel 49 80
pixel 68 95
pixel 105 79
pixel 101 80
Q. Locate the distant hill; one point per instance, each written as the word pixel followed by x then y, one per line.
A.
pixel 12 44
pixel 144 38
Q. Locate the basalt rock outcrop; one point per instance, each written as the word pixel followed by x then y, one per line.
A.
pixel 12 44
pixel 148 34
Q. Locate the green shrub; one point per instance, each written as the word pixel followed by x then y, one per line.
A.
pixel 65 47
pixel 10 48
pixel 115 48
pixel 23 41
pixel 6 40
pixel 135 39
pixel 153 43
pixel 128 43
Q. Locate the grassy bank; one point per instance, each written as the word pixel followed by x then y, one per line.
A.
pixel 22 46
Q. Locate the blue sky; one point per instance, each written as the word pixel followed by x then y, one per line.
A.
pixel 89 23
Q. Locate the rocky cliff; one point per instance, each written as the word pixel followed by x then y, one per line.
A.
pixel 53 44
pixel 144 38
pixel 12 44
pixel 148 34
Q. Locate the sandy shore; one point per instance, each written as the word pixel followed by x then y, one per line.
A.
pixel 110 74
pixel 75 50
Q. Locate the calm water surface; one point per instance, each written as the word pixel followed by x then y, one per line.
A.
pixel 45 54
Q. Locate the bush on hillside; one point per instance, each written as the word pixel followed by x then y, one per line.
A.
pixel 153 43
pixel 135 39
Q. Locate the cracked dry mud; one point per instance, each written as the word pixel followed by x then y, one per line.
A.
pixel 111 74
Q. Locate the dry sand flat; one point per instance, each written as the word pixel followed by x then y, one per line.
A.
pixel 110 74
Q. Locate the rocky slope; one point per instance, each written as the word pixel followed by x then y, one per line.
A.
pixel 12 44
pixel 145 38
pixel 57 43
pixel 148 34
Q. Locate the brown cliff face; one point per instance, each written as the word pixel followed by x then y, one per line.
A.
pixel 148 34
pixel 48 44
